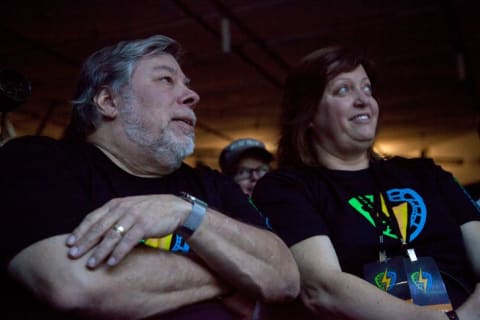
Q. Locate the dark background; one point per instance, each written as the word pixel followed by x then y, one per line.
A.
pixel 426 53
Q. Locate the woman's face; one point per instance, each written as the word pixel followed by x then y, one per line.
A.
pixel 346 119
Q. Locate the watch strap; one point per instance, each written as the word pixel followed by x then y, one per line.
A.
pixel 195 218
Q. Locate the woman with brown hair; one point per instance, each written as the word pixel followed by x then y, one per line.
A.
pixel 370 235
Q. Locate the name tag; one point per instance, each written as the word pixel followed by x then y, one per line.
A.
pixel 389 276
pixel 418 281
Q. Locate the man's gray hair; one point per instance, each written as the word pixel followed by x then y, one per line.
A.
pixel 110 67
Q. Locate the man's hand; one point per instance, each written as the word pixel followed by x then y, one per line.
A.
pixel 115 228
pixel 251 259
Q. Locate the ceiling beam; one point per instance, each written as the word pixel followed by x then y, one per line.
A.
pixel 235 48
pixel 252 35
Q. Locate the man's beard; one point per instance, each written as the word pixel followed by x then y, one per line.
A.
pixel 164 146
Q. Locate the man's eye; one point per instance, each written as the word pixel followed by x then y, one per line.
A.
pixel 243 171
pixel 166 79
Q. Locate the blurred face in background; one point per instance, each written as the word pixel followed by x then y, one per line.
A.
pixel 249 171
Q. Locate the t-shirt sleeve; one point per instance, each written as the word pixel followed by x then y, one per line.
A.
pixel 461 204
pixel 34 204
pixel 287 200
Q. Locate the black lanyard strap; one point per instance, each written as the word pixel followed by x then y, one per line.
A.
pixel 379 216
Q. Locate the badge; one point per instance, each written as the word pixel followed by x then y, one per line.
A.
pixel 426 284
pixel 389 276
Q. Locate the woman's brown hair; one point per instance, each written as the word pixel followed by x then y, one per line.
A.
pixel 303 91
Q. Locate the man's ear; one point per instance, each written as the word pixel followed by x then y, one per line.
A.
pixel 106 103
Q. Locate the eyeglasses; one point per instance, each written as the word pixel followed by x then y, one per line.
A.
pixel 247 173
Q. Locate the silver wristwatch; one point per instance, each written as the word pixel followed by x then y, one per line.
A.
pixel 195 218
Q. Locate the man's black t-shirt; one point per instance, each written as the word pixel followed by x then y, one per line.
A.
pixel 47 187
pixel 431 207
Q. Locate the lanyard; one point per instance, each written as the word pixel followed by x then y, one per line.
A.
pixel 375 210
pixel 378 216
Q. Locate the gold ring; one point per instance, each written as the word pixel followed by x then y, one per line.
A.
pixel 120 229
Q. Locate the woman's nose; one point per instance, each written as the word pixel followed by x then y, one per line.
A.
pixel 361 98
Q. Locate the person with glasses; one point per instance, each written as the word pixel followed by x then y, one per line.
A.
pixel 246 161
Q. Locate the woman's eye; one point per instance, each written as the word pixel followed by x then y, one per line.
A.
pixel 342 90
pixel 368 89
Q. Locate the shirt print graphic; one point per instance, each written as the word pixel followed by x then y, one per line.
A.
pixel 407 206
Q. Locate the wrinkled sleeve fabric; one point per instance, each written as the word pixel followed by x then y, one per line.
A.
pixel 33 181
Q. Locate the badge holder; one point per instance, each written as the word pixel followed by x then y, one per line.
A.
pixel 389 276
pixel 425 282
pixel 416 280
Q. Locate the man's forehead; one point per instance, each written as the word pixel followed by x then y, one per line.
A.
pixel 161 62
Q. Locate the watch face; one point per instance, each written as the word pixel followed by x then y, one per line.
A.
pixel 188 197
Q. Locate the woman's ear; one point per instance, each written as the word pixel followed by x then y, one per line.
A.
pixel 106 103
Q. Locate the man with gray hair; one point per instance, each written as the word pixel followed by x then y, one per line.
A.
pixel 109 222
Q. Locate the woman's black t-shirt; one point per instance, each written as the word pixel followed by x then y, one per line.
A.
pixel 431 207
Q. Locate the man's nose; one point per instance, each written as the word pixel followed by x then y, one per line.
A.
pixel 256 175
pixel 189 98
